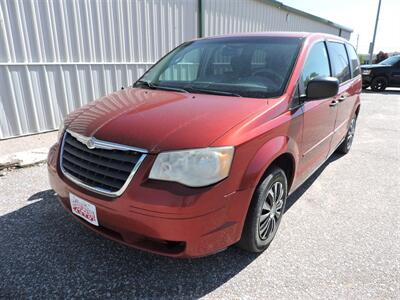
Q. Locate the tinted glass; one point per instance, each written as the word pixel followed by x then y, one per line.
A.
pixel 355 64
pixel 340 63
pixel 316 65
pixel 185 68
pixel 246 66
pixel 390 61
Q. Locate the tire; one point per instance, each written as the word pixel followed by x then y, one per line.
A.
pixel 345 146
pixel 379 84
pixel 265 212
pixel 364 87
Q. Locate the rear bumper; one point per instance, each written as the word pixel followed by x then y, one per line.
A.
pixel 162 218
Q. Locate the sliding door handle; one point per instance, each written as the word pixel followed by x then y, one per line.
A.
pixel 334 103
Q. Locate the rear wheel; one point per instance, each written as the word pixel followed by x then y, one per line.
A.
pixel 265 212
pixel 379 84
pixel 345 146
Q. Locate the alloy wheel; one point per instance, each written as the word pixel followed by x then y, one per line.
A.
pixel 271 211
pixel 350 134
pixel 379 85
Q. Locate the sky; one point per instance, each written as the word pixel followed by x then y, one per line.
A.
pixel 359 15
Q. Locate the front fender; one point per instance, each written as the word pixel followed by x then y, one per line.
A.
pixel 265 156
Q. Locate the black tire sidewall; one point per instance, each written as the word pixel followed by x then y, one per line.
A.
pixel 375 80
pixel 250 237
pixel 343 146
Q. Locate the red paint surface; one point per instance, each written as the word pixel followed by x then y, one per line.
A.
pixel 211 218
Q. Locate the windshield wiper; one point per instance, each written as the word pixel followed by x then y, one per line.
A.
pixel 143 82
pixel 168 88
pixel 215 92
pixel 184 90
pixel 159 87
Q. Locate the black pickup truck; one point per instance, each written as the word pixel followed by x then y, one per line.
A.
pixel 382 75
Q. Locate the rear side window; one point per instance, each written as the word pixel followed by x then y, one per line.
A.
pixel 339 60
pixel 316 65
pixel 355 64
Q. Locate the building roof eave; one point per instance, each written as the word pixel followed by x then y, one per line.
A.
pixel 280 5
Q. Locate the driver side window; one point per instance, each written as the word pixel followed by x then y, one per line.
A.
pixel 316 65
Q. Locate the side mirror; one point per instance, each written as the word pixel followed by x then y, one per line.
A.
pixel 321 88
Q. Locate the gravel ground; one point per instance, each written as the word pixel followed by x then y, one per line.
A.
pixel 29 142
pixel 338 239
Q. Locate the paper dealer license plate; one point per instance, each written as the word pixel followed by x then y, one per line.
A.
pixel 83 209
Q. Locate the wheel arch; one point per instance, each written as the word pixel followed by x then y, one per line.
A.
pixel 384 75
pixel 284 159
pixel 286 162
pixel 357 110
pixel 280 152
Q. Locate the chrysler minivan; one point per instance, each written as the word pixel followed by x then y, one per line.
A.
pixel 203 150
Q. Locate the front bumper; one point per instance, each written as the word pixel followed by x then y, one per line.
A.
pixel 160 217
pixel 366 80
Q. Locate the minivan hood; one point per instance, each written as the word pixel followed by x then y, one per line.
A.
pixel 159 120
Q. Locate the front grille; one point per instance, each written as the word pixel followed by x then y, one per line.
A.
pixel 106 169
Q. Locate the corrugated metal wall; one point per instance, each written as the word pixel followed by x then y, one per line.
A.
pixel 56 56
pixel 230 16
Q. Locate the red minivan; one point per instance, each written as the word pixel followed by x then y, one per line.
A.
pixel 204 149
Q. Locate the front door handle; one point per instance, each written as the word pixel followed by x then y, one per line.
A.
pixel 342 98
pixel 333 103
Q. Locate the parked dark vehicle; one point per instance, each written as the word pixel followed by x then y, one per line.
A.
pixel 382 75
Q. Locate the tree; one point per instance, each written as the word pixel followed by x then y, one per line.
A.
pixel 381 56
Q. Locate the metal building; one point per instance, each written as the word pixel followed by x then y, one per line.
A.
pixel 57 55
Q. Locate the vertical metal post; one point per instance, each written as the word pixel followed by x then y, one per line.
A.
pixel 371 48
pixel 199 18
pixel 358 38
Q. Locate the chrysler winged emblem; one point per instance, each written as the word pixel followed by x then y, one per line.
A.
pixel 90 143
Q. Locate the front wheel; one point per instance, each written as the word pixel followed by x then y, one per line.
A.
pixel 345 146
pixel 265 212
pixel 379 84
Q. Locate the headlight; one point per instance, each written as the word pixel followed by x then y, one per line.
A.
pixel 195 168
pixel 61 129
pixel 366 72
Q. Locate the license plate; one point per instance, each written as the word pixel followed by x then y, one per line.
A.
pixel 83 209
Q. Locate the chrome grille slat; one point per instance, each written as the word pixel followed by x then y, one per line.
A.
pixel 105 168
pixel 93 167
pixel 122 156
pixel 93 159
pixel 83 173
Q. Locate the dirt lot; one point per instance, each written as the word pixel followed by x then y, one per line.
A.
pixel 340 237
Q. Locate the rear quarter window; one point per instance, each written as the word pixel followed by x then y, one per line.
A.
pixel 339 61
pixel 354 62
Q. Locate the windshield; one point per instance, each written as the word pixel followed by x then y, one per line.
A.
pixel 390 61
pixel 257 67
